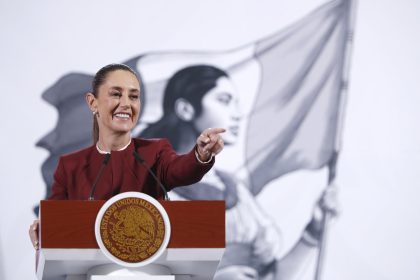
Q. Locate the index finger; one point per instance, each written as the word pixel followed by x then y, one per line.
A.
pixel 215 130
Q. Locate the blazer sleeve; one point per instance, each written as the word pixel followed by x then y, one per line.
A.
pixel 59 190
pixel 179 170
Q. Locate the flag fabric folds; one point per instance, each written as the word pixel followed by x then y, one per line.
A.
pixel 293 123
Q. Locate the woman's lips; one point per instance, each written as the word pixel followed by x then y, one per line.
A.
pixel 122 116
pixel 234 129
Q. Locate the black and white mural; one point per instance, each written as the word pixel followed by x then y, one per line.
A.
pixel 282 94
pixel 279 101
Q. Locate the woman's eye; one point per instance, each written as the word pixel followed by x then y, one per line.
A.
pixel 134 97
pixel 116 94
pixel 225 98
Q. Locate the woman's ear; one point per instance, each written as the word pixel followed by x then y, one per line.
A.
pixel 91 102
pixel 184 110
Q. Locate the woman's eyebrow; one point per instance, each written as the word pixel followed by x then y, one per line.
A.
pixel 121 89
pixel 117 88
pixel 134 90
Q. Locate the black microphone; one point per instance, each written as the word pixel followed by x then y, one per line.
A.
pixel 141 160
pixel 104 163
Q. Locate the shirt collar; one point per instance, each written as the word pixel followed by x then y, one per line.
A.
pixel 105 152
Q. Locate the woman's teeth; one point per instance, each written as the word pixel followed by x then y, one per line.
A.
pixel 122 116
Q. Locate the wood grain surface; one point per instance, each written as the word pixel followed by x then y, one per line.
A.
pixel 71 223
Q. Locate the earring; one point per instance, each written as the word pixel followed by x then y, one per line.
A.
pixel 94 112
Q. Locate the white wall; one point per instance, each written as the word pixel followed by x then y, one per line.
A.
pixel 376 236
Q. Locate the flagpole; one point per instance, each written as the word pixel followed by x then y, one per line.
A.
pixel 332 165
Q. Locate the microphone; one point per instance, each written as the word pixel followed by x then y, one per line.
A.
pixel 141 160
pixel 104 164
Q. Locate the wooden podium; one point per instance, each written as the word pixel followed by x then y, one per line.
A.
pixel 68 247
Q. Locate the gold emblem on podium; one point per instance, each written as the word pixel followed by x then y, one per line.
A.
pixel 132 229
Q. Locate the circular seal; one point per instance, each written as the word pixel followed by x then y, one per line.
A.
pixel 132 229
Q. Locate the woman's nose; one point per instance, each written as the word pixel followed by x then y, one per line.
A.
pixel 124 101
pixel 236 113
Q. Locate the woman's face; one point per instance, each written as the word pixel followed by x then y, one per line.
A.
pixel 118 103
pixel 220 109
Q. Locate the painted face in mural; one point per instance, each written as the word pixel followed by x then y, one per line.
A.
pixel 117 103
pixel 220 109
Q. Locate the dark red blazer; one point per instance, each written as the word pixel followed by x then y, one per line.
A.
pixel 76 172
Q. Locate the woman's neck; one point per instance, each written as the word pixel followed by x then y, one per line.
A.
pixel 113 142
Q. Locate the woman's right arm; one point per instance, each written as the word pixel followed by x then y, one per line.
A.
pixel 58 189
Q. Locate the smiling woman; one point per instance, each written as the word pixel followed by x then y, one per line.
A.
pixel 109 166
pixel 115 104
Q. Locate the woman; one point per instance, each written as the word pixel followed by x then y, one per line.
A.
pixel 203 96
pixel 196 97
pixel 115 105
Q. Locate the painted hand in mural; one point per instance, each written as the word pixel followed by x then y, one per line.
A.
pixel 209 143
pixel 329 201
pixel 327 205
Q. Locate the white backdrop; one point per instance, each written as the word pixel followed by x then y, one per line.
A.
pixel 376 235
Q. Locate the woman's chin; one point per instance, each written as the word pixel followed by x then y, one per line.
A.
pixel 122 129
